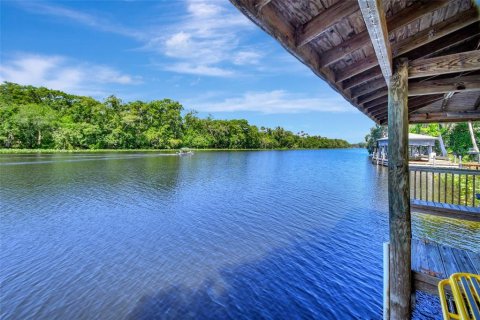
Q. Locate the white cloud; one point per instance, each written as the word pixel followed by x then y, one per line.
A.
pixel 207 40
pixel 204 70
pixel 273 102
pixel 93 21
pixel 246 57
pixel 61 73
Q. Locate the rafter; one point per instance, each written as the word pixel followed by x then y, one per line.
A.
pixel 459 84
pixel 374 17
pixel 435 32
pixel 261 3
pixel 368 87
pixel 324 20
pixel 444 117
pixel 429 50
pixel 453 63
pixel 359 40
pixel 411 43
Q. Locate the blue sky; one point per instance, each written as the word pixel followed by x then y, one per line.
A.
pixel 203 53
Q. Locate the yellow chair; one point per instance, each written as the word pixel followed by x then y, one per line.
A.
pixel 465 288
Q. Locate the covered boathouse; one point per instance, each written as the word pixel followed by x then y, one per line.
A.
pixel 398 62
pixel 420 147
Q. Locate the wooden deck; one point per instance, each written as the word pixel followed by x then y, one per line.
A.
pixel 432 262
pixel 454 211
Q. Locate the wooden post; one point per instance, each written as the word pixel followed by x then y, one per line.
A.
pixel 399 195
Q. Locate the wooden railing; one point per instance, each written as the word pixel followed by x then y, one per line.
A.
pixel 445 185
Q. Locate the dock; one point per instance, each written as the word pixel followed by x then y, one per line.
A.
pixel 432 262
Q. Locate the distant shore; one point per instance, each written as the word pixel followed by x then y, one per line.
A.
pixel 32 151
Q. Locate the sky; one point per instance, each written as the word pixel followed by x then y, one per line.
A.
pixel 203 53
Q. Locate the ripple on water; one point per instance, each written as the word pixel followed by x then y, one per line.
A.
pixel 241 235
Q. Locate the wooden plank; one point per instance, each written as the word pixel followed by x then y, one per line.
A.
pixel 357 68
pixel 399 195
pixel 444 117
pixel 356 42
pixel 370 97
pixel 324 20
pixel 362 78
pixel 368 87
pixel 452 212
pixel 411 43
pixel 435 264
pixel 458 62
pixel 425 283
pixel 464 262
pixel 376 23
pixel 261 3
pixel 449 261
pixel 435 32
pixel 458 84
pixel 436 47
pixel 475 258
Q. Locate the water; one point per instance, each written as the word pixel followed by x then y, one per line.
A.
pixel 271 234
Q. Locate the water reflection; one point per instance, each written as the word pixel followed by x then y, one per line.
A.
pixel 252 234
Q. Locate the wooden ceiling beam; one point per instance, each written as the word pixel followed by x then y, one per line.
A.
pixel 410 43
pixel 370 97
pixel 324 20
pixel 452 40
pixel 361 78
pixel 261 3
pixel 379 101
pixel 437 31
pixel 428 50
pixel 444 117
pixel 458 84
pixel 414 104
pixel 453 63
pixel 368 87
pixel 359 40
pixel 376 23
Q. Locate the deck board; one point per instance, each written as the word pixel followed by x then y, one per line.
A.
pixel 432 262
pixel 446 210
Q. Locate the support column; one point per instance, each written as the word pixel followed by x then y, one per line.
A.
pixel 399 195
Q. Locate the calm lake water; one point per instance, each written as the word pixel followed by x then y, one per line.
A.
pixel 219 235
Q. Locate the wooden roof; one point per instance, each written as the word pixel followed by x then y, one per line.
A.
pixel 440 39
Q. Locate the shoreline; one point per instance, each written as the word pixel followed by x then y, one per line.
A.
pixel 33 151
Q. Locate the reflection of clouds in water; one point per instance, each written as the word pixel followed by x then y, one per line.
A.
pixel 220 233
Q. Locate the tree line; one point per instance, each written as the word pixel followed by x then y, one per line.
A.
pixel 41 118
pixel 456 136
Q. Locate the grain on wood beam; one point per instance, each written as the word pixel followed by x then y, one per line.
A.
pixel 476 106
pixel 374 17
pixel 376 102
pixel 437 31
pixel 399 195
pixel 324 20
pixel 359 40
pixel 444 117
pixel 261 3
pixel 370 97
pixel 428 50
pixel 368 87
pixel 408 44
pixel 458 62
pixel 459 84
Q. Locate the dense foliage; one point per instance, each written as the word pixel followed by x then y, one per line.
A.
pixel 456 136
pixel 376 132
pixel 41 118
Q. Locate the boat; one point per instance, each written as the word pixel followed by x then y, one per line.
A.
pixel 185 152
